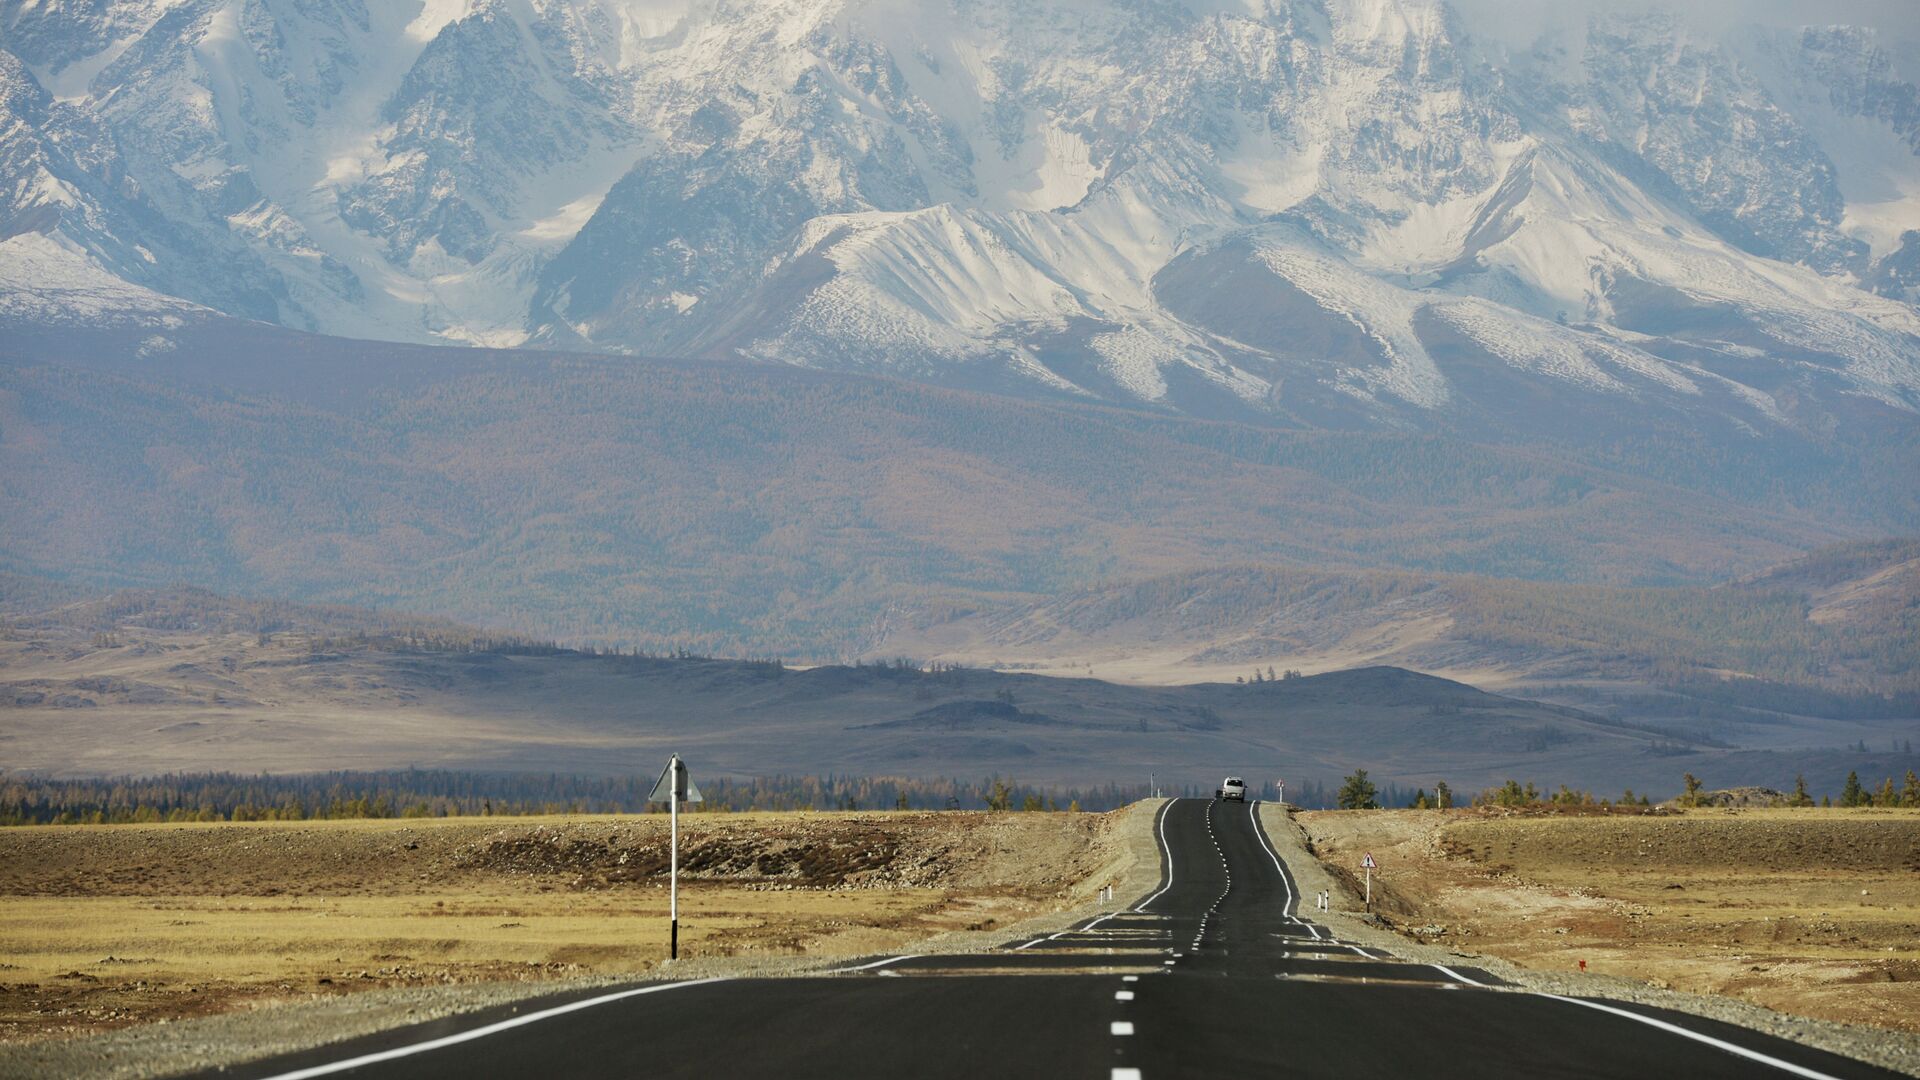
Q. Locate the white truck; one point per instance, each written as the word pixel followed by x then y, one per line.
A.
pixel 1232 788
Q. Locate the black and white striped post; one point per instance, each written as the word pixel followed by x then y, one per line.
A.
pixel 673 788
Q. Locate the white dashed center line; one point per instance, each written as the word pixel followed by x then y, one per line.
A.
pixel 1122 1027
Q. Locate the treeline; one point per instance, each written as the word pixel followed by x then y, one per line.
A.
pixel 446 793
pixel 1358 792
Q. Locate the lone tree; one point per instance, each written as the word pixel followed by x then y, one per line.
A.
pixel 1800 796
pixel 999 796
pixel 1853 794
pixel 1692 797
pixel 1358 793
pixel 1442 796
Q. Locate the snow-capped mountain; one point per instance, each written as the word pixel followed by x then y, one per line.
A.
pixel 1330 212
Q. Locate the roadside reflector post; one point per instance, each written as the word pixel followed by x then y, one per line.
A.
pixel 673 788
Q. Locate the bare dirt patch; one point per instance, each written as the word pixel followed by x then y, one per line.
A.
pixel 105 927
pixel 1810 912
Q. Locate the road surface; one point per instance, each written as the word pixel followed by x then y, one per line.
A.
pixel 1218 971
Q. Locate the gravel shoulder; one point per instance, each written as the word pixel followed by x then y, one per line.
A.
pixel 1896 1050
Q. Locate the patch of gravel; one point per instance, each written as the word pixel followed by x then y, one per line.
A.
pixel 172 1048
pixel 1894 1050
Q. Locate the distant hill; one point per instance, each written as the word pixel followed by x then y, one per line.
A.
pixel 144 683
pixel 1844 619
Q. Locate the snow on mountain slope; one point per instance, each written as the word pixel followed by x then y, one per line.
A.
pixel 1330 212
pixel 44 282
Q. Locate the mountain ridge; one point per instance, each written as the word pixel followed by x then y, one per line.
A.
pixel 1356 213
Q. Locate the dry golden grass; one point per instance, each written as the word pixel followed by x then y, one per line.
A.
pixel 1815 912
pixel 103 926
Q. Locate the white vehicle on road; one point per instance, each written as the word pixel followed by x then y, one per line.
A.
pixel 1232 788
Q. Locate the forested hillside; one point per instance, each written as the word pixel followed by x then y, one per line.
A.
pixel 762 510
pixel 1837 631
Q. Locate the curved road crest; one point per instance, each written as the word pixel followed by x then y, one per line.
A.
pixel 1214 972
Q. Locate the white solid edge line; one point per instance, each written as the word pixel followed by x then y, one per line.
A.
pixel 1676 1029
pixel 877 963
pixel 1454 975
pixel 1254 819
pixel 1161 828
pixel 482 1032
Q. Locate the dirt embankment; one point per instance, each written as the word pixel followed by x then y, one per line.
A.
pixel 384 858
pixel 1815 913
pixel 104 927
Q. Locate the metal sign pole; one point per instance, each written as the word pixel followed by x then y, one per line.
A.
pixel 673 863
pixel 673 786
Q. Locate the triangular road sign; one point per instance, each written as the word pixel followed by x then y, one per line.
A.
pixel 674 780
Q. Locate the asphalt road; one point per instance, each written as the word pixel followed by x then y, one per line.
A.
pixel 1216 972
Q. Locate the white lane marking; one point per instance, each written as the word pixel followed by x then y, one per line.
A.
pixel 1162 829
pixel 1029 944
pixel 1126 1074
pixel 482 1032
pixel 1123 995
pixel 1254 819
pixel 1121 1027
pixel 1129 978
pixel 1676 1029
pixel 1452 974
pixel 874 964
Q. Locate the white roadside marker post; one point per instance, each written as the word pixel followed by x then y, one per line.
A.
pixel 673 786
pixel 1369 864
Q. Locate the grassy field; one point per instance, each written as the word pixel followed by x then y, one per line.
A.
pixel 1814 912
pixel 106 926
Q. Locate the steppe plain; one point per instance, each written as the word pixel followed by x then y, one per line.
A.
pixel 1811 912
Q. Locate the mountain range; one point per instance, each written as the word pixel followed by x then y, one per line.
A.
pixel 1157 334
pixel 1348 214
